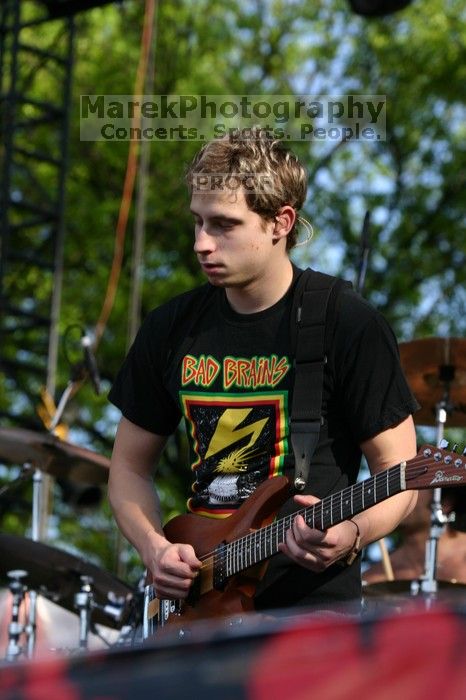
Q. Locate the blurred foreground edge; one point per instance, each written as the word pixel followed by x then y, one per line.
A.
pixel 411 649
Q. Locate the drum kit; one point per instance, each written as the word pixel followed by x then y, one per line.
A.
pixel 436 372
pixel 40 576
pixel 37 574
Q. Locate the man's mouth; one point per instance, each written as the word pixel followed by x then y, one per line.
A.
pixel 210 266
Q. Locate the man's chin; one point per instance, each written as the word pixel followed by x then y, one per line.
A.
pixel 216 277
pixel 216 280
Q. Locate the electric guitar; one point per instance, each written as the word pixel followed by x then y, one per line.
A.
pixel 231 549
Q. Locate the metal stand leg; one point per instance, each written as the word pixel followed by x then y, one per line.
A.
pixel 15 628
pixel 37 495
pixel 31 625
pixel 83 602
pixel 438 520
pixel 17 588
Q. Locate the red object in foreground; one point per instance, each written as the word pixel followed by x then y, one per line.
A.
pixel 414 653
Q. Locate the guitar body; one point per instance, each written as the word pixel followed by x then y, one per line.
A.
pixel 204 535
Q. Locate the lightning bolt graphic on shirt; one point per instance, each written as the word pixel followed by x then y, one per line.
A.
pixel 227 431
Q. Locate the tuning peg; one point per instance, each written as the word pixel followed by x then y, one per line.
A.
pixel 443 444
pixel 455 447
pixel 464 452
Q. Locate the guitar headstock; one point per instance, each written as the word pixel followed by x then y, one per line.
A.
pixel 436 467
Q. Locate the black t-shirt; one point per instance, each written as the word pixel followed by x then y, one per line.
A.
pixel 233 388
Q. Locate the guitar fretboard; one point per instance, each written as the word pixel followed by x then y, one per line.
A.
pixel 232 558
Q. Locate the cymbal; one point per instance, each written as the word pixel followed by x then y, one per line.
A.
pixel 436 369
pixel 57 457
pixel 56 574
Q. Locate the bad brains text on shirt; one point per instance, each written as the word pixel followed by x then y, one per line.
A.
pixel 238 372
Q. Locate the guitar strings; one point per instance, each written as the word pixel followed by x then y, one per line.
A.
pixel 355 492
pixel 390 475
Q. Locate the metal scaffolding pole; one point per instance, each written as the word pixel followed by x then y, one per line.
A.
pixel 35 133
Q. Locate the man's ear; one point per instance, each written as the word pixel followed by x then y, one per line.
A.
pixel 284 221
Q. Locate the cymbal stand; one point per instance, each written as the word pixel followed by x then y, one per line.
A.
pixel 438 520
pixel 83 601
pixel 18 589
pixel 25 474
pixel 37 495
pixel 38 501
pixel 16 628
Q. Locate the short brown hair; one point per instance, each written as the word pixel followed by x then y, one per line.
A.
pixel 252 150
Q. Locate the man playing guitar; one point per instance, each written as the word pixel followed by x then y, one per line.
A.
pixel 234 383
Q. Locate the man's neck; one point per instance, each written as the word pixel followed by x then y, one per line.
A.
pixel 263 293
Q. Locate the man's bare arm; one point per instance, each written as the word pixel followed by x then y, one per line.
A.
pixel 317 550
pixel 136 508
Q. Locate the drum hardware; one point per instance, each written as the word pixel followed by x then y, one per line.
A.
pixel 130 635
pixel 438 520
pixel 131 631
pixel 44 572
pixel 401 593
pixel 47 571
pixel 86 604
pixel 436 371
pixel 39 454
pixel 60 577
pixel 57 575
pixel 16 628
pixel 115 607
pixel 27 470
pixel 32 623
pixel 83 603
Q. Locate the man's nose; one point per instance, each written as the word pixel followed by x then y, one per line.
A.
pixel 203 242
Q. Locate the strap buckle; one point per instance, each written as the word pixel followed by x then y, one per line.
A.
pixel 304 439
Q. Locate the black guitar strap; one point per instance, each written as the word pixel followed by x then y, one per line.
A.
pixel 312 322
